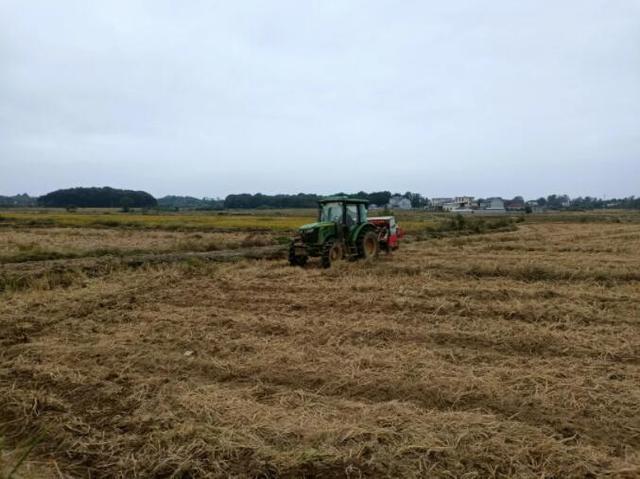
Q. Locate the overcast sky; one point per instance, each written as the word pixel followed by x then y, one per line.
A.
pixel 207 98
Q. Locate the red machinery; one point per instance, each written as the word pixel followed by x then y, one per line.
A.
pixel 389 232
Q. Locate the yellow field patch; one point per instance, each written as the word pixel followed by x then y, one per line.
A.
pixel 183 221
pixel 202 221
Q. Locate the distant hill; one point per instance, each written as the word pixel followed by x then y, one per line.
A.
pixel 173 201
pixel 104 197
pixel 18 200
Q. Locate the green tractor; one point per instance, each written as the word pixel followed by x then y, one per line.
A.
pixel 341 232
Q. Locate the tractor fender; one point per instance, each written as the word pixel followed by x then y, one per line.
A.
pixel 360 230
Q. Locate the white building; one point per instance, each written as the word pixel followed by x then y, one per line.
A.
pixel 463 201
pixel 458 203
pixel 495 204
pixel 492 206
pixel 450 206
pixel 437 203
pixel 400 203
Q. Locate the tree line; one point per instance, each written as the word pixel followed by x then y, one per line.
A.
pixel 94 197
pixel 305 200
pixel 18 200
pixel 106 197
pixel 381 198
pixel 190 202
pixel 591 203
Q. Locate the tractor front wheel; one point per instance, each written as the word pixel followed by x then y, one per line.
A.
pixel 332 251
pixel 368 245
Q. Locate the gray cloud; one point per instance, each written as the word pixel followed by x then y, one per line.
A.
pixel 209 98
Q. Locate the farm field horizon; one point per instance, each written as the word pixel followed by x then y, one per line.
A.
pixel 413 221
pixel 469 352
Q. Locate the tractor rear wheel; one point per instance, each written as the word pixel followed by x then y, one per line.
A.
pixel 295 260
pixel 368 245
pixel 332 251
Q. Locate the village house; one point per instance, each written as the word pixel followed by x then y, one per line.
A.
pixel 399 202
pixel 436 203
pixel 459 203
pixel 514 205
pixel 491 206
pixel 534 207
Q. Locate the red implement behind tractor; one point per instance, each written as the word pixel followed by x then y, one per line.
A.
pixel 389 233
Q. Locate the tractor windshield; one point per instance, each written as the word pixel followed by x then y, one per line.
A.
pixel 331 212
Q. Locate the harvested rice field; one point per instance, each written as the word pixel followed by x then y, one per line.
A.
pixel 507 354
pixel 27 244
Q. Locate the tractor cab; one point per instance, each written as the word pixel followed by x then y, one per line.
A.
pixel 347 212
